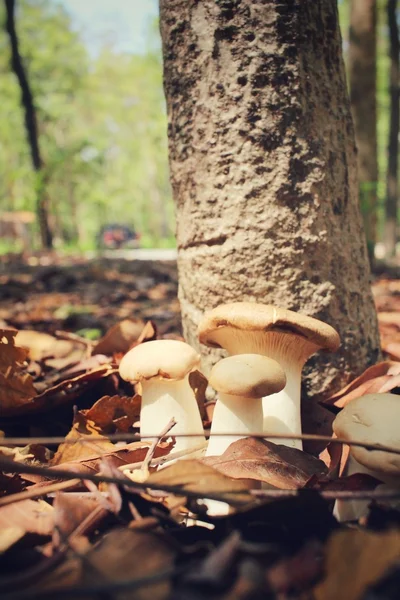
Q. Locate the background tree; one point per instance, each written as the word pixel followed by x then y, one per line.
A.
pixel 263 169
pixel 31 126
pixel 392 186
pixel 362 73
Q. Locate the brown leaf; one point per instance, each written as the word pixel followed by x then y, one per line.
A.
pixel 88 442
pixel 41 345
pixel 332 456
pixel 9 352
pixel 17 392
pixel 354 561
pixel 120 337
pixel 195 476
pixel 10 536
pixel 106 411
pixel 62 393
pixel 199 384
pixel 148 334
pixel 33 516
pixel 73 511
pixel 280 466
pixel 379 378
pixel 121 555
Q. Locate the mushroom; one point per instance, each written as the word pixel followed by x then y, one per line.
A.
pixel 163 367
pixel 287 337
pixel 241 381
pixel 374 419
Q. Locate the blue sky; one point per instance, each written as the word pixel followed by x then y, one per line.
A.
pixel 124 23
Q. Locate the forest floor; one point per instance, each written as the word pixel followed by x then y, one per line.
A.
pixel 84 512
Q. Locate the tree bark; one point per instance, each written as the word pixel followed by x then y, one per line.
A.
pixel 30 126
pixel 263 170
pixel 362 72
pixel 392 180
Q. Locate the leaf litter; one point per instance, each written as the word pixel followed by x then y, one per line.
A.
pixel 101 513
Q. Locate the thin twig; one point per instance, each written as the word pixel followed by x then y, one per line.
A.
pixel 150 452
pixel 332 494
pixel 9 466
pixel 36 492
pixel 164 459
pixel 131 437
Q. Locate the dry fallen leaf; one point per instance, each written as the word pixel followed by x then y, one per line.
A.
pixel 120 337
pixel 33 516
pixel 354 561
pixel 41 345
pixel 280 466
pixel 195 476
pixel 119 411
pixel 87 441
pixel 378 379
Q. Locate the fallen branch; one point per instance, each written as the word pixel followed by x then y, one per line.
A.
pixel 132 437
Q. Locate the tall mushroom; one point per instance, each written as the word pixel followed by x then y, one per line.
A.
pixel 374 419
pixel 241 381
pixel 163 367
pixel 287 337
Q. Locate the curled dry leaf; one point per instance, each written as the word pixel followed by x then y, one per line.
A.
pixel 62 393
pixel 75 514
pixel 378 379
pixel 280 466
pixel 195 476
pixel 42 345
pixel 16 385
pixel 33 516
pixel 82 442
pixel 120 337
pixel 115 411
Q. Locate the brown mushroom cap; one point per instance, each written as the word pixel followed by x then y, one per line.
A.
pixel 255 317
pixel 374 419
pixel 247 375
pixel 161 359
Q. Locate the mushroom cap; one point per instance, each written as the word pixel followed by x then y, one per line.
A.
pixel 255 317
pixel 375 419
pixel 247 375
pixel 159 359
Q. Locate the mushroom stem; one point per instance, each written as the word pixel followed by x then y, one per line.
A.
pixel 175 399
pixel 352 510
pixel 233 414
pixel 282 410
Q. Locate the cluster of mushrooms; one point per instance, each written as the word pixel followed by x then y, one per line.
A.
pixel 258 386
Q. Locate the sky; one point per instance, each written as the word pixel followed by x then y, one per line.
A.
pixel 124 23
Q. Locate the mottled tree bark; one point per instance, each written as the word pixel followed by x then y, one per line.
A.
pixel 362 72
pixel 42 201
pixel 263 169
pixel 392 178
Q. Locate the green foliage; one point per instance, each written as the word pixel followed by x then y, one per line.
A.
pixel 102 127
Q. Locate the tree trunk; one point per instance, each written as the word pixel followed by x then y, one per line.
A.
pixel 362 72
pixel 392 182
pixel 42 208
pixel 263 169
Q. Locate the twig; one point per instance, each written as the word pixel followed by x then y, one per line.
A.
pixel 166 458
pixel 9 466
pixel 131 437
pixel 39 491
pixel 331 494
pixel 150 452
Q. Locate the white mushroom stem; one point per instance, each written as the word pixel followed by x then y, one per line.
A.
pixel 233 414
pixel 282 410
pixel 353 510
pixel 163 400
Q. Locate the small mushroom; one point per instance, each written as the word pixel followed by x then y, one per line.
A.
pixel 163 367
pixel 241 382
pixel 373 419
pixel 283 335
